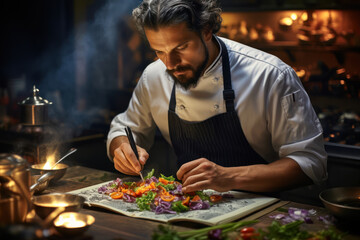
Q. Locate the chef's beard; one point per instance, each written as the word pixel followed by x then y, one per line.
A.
pixel 182 80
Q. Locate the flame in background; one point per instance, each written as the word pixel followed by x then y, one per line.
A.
pixel 50 161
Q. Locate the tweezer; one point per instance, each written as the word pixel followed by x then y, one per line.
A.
pixel 133 146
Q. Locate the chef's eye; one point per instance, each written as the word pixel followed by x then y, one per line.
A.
pixel 182 47
pixel 159 53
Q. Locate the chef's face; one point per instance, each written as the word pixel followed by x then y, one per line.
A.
pixel 184 52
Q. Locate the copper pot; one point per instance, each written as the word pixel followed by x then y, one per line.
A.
pixel 34 109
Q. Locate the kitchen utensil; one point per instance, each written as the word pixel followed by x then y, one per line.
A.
pixel 133 146
pixel 40 182
pixel 14 188
pixel 46 204
pixel 71 151
pixel 59 171
pixel 342 202
pixel 73 223
pixel 34 109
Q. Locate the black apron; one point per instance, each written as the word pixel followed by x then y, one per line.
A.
pixel 220 138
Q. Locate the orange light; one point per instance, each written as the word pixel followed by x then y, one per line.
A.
pixel 304 16
pixel 69 222
pixel 340 70
pixel 293 16
pixel 50 161
pixel 286 21
pixel 342 82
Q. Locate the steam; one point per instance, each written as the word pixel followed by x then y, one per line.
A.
pixel 76 75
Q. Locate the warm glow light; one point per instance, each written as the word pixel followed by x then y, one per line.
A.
pixel 61 204
pixel 69 221
pixel 340 70
pixel 286 21
pixel 293 16
pixel 342 82
pixel 270 36
pixel 304 16
pixel 54 204
pixel 50 161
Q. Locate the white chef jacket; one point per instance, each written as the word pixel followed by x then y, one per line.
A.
pixel 275 112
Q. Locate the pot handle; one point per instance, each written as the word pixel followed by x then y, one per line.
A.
pixel 43 178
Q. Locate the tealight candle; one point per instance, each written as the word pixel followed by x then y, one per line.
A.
pixel 69 221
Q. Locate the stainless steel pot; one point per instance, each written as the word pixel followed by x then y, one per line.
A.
pixel 34 109
pixel 14 188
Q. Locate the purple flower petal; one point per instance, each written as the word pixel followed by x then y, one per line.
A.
pixel 198 205
pixel 214 234
pixel 298 214
pixel 278 216
pixel 129 198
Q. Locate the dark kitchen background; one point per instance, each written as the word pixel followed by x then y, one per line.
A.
pixel 86 57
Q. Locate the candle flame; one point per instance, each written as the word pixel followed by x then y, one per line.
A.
pixel 69 221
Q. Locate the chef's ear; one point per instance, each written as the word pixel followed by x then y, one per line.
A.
pixel 207 34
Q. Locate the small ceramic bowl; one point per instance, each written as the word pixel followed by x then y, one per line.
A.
pixel 59 171
pixel 73 223
pixel 46 204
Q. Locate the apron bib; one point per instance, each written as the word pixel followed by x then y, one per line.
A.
pixel 220 138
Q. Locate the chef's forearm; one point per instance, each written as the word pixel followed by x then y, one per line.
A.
pixel 280 175
pixel 115 143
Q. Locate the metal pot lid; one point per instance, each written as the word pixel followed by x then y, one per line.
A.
pixel 8 161
pixel 35 99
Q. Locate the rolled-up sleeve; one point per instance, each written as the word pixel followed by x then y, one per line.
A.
pixel 296 129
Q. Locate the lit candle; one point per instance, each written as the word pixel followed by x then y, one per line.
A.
pixel 69 221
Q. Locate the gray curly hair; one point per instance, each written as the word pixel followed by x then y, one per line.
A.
pixel 198 14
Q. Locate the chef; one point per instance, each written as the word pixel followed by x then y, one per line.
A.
pixel 237 117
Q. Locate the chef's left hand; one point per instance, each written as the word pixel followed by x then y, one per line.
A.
pixel 203 174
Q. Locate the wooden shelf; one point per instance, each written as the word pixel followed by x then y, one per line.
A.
pixel 271 5
pixel 294 45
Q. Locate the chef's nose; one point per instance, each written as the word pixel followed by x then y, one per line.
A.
pixel 171 61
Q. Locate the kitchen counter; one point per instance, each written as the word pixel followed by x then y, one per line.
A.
pixel 110 225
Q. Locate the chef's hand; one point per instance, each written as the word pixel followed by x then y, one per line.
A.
pixel 125 160
pixel 203 174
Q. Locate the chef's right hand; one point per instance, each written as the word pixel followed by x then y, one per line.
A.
pixel 125 160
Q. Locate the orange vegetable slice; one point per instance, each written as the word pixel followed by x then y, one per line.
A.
pixel 167 197
pixel 116 195
pixel 215 198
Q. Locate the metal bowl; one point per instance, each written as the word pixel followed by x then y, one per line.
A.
pixel 73 223
pixel 45 204
pixel 59 171
pixel 342 202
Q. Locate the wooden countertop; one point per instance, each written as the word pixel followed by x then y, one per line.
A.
pixel 110 225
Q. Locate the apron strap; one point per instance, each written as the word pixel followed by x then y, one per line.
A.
pixel 228 93
pixel 172 103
